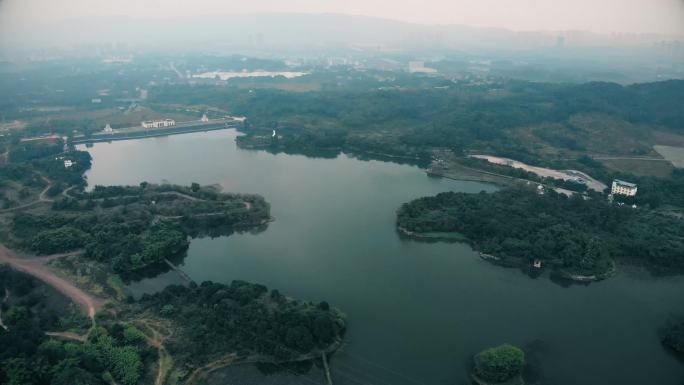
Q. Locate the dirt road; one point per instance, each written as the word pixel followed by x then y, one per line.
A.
pixel 69 336
pixel 36 267
pixel 42 198
pixel 573 175
pixel 157 340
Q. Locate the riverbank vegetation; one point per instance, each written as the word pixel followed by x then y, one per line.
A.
pixel 559 126
pixel 576 235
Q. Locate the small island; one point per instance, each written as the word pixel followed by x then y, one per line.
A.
pixel 577 236
pixel 499 365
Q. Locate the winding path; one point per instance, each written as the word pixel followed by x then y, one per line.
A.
pixel 157 340
pixel 35 266
pixel 68 336
pixel 42 198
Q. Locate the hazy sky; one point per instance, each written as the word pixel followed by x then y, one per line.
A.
pixel 664 16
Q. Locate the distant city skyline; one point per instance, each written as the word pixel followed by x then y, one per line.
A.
pixel 604 16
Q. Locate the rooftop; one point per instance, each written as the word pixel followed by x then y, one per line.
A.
pixel 623 183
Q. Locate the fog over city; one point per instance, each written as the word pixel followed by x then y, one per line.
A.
pixel 634 16
pixel 49 23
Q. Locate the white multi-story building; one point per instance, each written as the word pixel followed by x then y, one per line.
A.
pixel 623 188
pixel 158 123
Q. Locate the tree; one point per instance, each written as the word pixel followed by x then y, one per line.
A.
pixel 17 371
pixel 167 310
pixel 595 254
pixel 499 364
pixel 195 187
pixel 126 364
pixel 67 372
pixel 299 338
pixel 58 240
pixel 133 336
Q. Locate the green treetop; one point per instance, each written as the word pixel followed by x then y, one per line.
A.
pixel 499 364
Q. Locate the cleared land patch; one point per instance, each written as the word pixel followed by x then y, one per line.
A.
pixel 572 175
pixel 660 168
pixel 674 154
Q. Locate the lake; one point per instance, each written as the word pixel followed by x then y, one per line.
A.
pixel 416 311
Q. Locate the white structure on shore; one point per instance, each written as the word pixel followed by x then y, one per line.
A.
pixel 108 129
pixel 623 188
pixel 419 67
pixel 158 123
pixel 204 118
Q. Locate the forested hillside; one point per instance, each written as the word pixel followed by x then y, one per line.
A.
pixel 405 120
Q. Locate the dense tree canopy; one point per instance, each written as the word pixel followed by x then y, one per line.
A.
pixel 134 227
pixel 410 121
pixel 214 319
pixel 499 364
pixel 29 357
pixel 574 233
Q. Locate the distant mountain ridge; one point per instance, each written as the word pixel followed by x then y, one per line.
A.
pixel 299 30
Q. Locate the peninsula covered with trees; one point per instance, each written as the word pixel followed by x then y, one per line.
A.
pixel 576 235
pixel 113 232
pixel 134 227
pixel 215 324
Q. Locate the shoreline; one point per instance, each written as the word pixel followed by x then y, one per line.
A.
pixel 233 359
pixel 426 237
pixel 511 262
pixel 150 133
pixel 349 151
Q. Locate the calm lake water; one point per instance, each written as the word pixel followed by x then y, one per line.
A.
pixel 417 311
